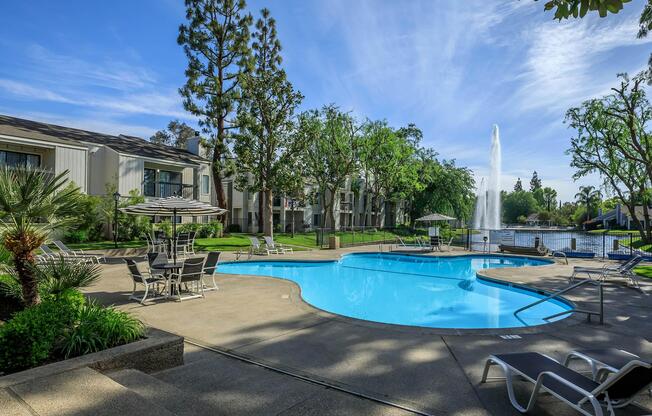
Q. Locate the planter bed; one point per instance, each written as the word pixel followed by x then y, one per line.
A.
pixel 159 351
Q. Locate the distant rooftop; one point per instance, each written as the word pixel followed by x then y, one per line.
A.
pixel 29 129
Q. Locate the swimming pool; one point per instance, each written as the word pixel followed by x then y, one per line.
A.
pixel 438 292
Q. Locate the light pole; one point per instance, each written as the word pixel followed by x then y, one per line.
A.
pixel 116 199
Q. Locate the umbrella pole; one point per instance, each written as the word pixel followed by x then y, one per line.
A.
pixel 174 235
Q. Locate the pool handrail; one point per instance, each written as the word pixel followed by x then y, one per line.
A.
pixel 567 289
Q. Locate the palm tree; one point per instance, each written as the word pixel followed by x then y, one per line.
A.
pixel 549 196
pixel 33 203
pixel 588 195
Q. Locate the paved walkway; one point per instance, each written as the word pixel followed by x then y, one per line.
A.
pixel 435 372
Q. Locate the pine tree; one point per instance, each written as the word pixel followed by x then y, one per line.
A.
pixel 535 182
pixel 518 186
pixel 265 143
pixel 215 40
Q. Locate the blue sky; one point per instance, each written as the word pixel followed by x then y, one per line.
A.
pixel 452 67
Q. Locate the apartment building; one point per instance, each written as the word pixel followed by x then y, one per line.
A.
pixel 97 162
pixel 350 209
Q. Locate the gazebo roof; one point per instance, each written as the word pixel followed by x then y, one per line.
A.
pixel 436 217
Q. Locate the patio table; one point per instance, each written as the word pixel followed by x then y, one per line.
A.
pixel 168 269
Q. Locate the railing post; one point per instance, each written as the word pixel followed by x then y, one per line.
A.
pixel 604 244
pixel 601 303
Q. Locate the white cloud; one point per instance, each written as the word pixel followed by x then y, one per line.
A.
pixel 559 69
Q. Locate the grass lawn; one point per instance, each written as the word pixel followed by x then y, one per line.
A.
pixel 105 245
pixel 645 271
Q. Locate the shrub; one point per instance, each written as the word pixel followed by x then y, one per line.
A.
pixel 98 328
pixel 75 236
pixel 165 226
pixel 234 228
pixel 28 339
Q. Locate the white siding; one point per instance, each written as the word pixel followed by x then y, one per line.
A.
pixel 130 174
pixel 205 170
pixel 188 178
pixel 74 160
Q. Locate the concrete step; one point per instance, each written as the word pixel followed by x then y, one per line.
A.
pixel 238 388
pixel 11 405
pixel 181 403
pixel 84 392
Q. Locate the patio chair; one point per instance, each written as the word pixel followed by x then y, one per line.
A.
pixel 280 248
pixel 447 246
pixel 210 266
pixel 153 245
pixel 190 275
pixel 256 248
pixel 182 245
pixel 154 258
pixel 578 391
pixel 78 253
pixel 148 280
pixel 191 242
pixel 625 270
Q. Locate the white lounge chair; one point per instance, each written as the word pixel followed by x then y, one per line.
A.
pixel 625 270
pixel 256 248
pixel 48 254
pixel 78 253
pixel 586 395
pixel 279 248
pixel 417 243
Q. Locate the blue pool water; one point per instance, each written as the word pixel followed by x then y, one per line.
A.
pixel 439 292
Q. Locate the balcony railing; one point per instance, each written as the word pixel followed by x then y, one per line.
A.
pixel 166 189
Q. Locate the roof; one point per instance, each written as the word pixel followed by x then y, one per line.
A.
pixel 18 127
pixel 532 217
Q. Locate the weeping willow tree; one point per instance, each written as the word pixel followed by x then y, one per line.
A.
pixel 33 203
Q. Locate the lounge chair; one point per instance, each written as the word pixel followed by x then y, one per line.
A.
pixel 256 248
pixel 417 243
pixel 78 253
pixel 447 245
pixel 190 275
pixel 48 254
pixel 280 248
pixel 209 269
pixel 578 391
pixel 625 270
pixel 147 279
pixel 602 360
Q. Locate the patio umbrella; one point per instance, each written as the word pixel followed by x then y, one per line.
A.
pixel 173 206
pixel 435 217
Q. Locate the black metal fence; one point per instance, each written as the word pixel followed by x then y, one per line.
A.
pixel 606 244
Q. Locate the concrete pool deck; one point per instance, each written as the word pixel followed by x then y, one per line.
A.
pixel 430 371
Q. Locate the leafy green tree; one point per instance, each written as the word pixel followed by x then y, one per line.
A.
pixel 265 141
pixel 445 188
pixel 535 182
pixel 215 39
pixel 588 197
pixel 517 204
pixel 518 186
pixel 549 198
pixel 333 141
pixel 176 134
pixel 33 203
pixel 565 9
pixel 612 140
pixel 386 157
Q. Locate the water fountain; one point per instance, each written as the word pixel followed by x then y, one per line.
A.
pixel 487 209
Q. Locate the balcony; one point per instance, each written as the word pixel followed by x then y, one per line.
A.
pixel 160 189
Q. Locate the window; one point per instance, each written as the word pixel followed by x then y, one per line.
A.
pixel 205 184
pixel 15 159
pixel 169 184
pixel 149 182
